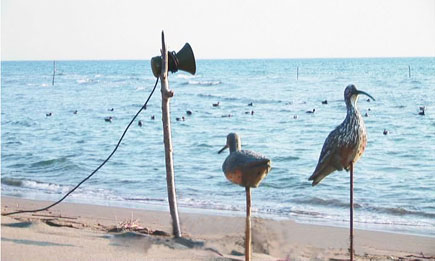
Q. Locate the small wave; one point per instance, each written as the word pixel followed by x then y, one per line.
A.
pixel 204 83
pixel 59 164
pixel 146 199
pixel 25 183
pixel 49 162
pixel 12 182
pixel 325 202
pixel 399 211
pixel 85 81
pixel 285 158
pixel 23 123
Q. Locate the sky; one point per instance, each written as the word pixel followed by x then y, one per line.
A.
pixel 218 29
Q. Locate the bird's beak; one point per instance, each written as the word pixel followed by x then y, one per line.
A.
pixel 225 147
pixel 361 92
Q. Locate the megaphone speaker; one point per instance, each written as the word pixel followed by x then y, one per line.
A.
pixel 183 60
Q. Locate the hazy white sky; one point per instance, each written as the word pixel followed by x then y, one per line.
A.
pixel 130 29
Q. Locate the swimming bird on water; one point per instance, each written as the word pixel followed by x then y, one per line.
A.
pixel 216 104
pixel 421 112
pixel 108 119
pixel 244 167
pixel 314 110
pixel 346 143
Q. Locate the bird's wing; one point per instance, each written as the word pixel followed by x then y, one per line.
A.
pixel 329 159
pixel 245 159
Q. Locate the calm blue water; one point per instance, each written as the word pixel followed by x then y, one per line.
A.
pixel 44 157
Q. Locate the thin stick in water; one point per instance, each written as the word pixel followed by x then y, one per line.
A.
pixel 54 72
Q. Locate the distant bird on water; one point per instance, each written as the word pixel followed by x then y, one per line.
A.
pixel 311 111
pixel 216 104
pixel 244 167
pixel 325 102
pixel 108 119
pixel 421 112
pixel 346 143
pixel 48 114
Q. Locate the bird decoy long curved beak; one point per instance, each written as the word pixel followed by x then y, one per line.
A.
pixel 225 147
pixel 362 92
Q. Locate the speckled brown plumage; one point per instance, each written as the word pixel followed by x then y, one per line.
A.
pixel 346 143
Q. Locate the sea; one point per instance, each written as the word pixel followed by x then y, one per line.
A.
pixel 43 157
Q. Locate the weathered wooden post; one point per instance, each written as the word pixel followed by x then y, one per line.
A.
pixel 166 96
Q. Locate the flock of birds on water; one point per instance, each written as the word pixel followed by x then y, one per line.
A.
pixel 421 112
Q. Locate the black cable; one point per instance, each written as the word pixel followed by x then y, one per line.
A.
pixel 101 165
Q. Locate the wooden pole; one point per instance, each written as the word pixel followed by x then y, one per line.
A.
pixel 297 73
pixel 409 71
pixel 166 95
pixel 54 72
pixel 351 212
pixel 248 238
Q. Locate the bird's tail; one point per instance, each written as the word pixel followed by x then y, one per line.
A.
pixel 316 179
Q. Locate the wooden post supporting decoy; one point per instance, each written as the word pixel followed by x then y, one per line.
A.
pixel 351 212
pixel 166 95
pixel 247 169
pixel 54 72
pixel 248 237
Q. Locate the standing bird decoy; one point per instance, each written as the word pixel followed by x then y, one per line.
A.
pixel 247 169
pixel 343 147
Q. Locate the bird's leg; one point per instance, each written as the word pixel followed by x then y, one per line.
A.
pixel 351 212
pixel 248 225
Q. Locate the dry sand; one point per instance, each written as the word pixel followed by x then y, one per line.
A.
pixel 88 232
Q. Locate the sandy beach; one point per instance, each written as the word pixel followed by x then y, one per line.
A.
pixel 89 232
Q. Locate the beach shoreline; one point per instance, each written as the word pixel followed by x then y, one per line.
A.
pixel 72 231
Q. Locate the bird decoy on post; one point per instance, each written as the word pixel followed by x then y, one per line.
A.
pixel 247 169
pixel 344 146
